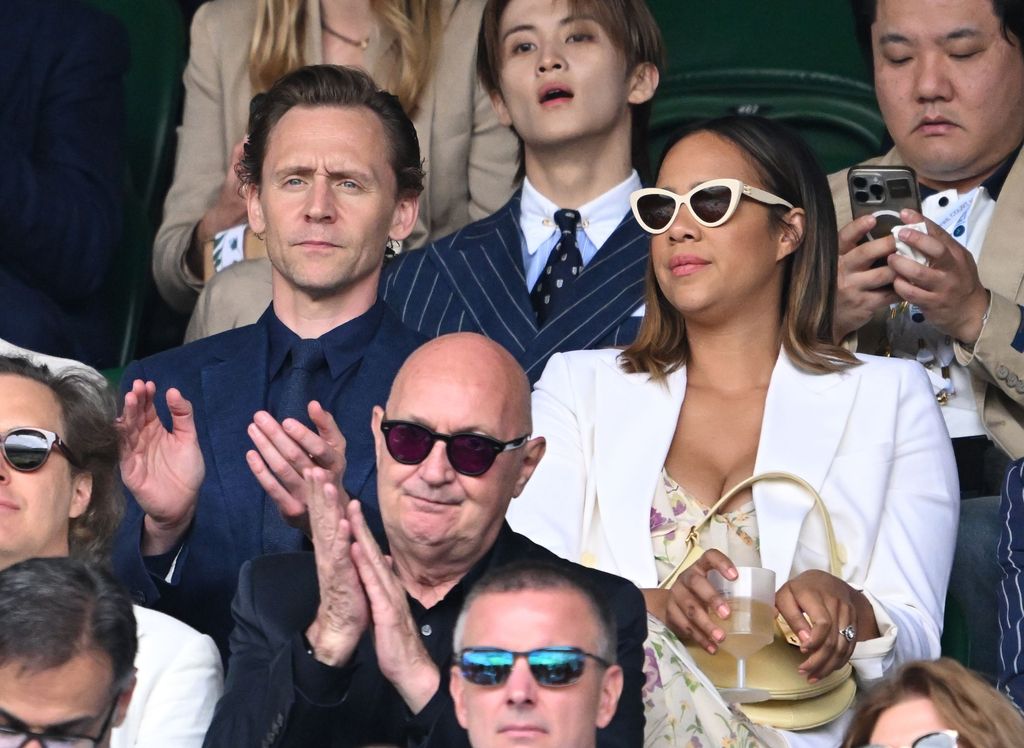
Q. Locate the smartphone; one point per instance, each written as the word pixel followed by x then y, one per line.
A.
pixel 883 191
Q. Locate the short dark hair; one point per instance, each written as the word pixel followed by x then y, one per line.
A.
pixel 57 608
pixel 789 169
pixel 339 86
pixel 631 28
pixel 88 411
pixel 1009 12
pixel 521 576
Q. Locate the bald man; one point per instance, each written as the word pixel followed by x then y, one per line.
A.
pixel 346 646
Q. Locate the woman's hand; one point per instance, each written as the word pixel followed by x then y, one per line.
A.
pixel 831 605
pixel 692 596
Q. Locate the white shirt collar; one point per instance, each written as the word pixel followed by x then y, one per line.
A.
pixel 601 216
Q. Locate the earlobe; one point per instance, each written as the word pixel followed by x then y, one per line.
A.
pixel 456 686
pixel 254 209
pixel 611 689
pixel 404 219
pixel 123 701
pixel 533 452
pixel 645 80
pixel 795 224
pixel 500 109
pixel 81 487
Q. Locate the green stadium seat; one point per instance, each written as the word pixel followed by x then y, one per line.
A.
pixel 836 115
pixel 152 98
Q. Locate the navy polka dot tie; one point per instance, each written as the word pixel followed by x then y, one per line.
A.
pixel 554 290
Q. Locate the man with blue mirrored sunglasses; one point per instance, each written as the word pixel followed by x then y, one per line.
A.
pixel 534 660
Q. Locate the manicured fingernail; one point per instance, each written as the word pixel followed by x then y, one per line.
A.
pixel 712 649
pixel 723 611
pixel 804 635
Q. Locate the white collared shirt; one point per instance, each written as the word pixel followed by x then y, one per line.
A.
pixel 539 234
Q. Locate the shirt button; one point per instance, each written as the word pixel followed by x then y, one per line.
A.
pixel 959 230
pixel 426 630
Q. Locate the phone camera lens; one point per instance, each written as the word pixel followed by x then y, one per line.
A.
pixel 877 191
pixel 860 196
pixel 860 183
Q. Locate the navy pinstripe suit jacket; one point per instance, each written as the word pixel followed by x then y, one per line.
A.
pixel 473 280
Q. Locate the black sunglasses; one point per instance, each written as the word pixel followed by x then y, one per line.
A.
pixel 550 666
pixel 18 735
pixel 26 449
pixel 470 454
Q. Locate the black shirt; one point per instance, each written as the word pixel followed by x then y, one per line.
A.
pixel 277 694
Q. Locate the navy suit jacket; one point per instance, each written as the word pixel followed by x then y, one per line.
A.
pixel 473 280
pixel 225 379
pixel 61 134
pixel 1011 593
pixel 277 600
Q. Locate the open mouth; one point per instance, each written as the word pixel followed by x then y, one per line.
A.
pixel 555 94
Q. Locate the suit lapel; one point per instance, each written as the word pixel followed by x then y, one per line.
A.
pixel 642 419
pixel 232 391
pixel 805 416
pixel 1001 266
pixel 485 269
pixel 609 290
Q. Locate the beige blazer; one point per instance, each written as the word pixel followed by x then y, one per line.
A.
pixel 470 158
pixel 996 367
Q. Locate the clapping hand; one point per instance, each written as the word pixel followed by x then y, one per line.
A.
pixel 163 469
pixel 284 451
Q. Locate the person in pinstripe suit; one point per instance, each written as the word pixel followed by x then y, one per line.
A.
pixel 575 85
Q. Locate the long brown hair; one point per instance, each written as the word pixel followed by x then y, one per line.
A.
pixel 982 716
pixel 788 168
pixel 280 32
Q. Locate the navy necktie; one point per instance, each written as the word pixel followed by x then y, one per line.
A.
pixel 307 357
pixel 554 290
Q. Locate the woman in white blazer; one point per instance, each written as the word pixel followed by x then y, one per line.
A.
pixel 734 374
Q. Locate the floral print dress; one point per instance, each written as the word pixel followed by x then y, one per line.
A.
pixel 682 707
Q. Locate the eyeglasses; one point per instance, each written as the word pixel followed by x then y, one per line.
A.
pixel 550 666
pixel 941 739
pixel 16 735
pixel 470 454
pixel 712 203
pixel 26 449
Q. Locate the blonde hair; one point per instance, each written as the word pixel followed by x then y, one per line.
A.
pixel 280 32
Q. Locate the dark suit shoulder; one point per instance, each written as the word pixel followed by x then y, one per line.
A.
pixel 193 356
pixel 283 590
pixel 519 547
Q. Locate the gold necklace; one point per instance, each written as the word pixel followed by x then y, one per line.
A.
pixel 360 43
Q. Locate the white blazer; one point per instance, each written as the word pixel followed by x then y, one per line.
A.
pixel 870 439
pixel 179 678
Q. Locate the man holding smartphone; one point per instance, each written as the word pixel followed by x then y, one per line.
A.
pixel 949 77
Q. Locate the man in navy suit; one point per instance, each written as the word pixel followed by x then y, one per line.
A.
pixel 61 133
pixel 576 88
pixel 332 174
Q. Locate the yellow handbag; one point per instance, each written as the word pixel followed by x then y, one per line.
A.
pixel 795 704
